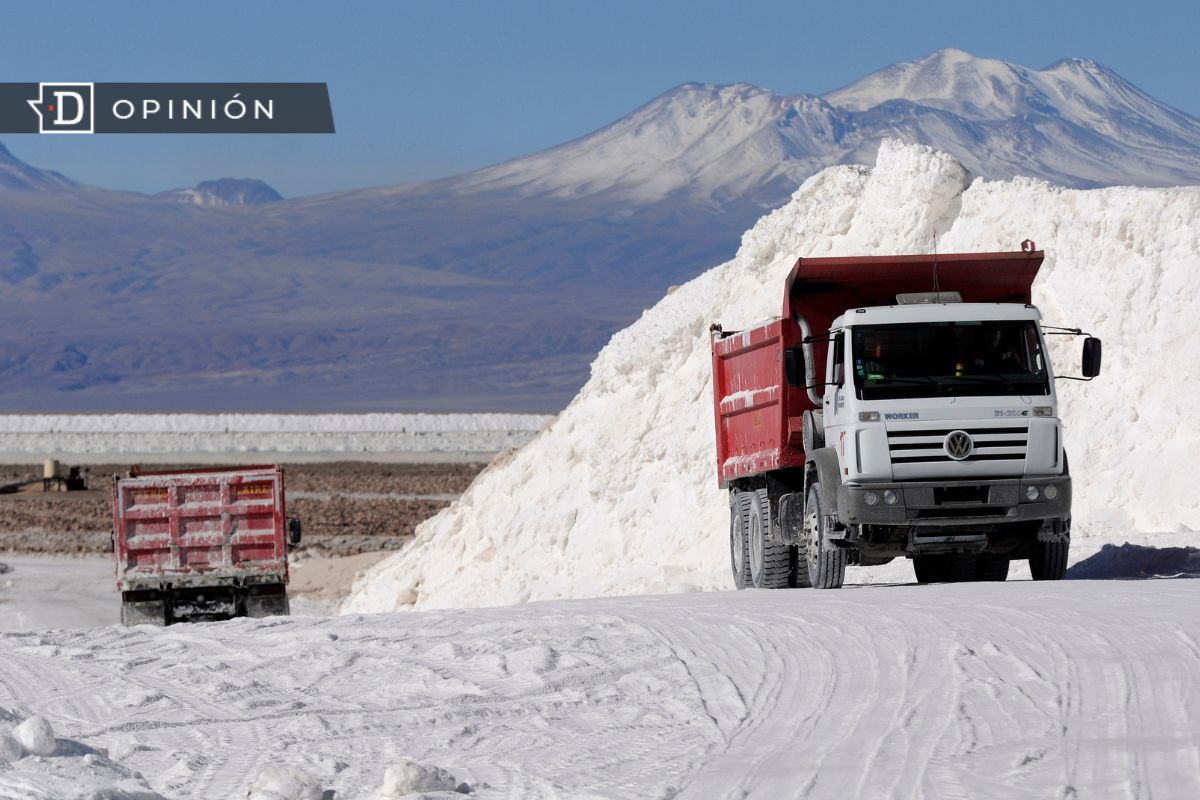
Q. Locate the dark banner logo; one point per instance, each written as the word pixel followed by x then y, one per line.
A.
pixel 165 108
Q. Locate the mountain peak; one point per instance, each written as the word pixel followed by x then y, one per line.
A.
pixel 16 174
pixel 225 192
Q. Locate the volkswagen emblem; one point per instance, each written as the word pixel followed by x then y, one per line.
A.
pixel 959 445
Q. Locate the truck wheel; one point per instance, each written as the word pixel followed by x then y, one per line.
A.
pixel 826 562
pixel 143 613
pixel 989 567
pixel 946 568
pixel 929 569
pixel 740 507
pixel 270 600
pixel 1049 560
pixel 769 560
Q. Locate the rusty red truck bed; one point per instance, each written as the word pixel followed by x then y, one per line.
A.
pixel 201 543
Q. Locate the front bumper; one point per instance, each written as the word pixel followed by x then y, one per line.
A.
pixel 954 502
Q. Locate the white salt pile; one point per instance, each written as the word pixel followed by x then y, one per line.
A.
pixel 408 778
pixel 35 765
pixel 82 434
pixel 619 494
pixel 285 783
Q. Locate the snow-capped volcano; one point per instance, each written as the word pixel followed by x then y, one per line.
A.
pixel 1076 123
pixel 714 143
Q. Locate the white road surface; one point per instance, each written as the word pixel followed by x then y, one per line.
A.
pixel 44 592
pixel 1087 689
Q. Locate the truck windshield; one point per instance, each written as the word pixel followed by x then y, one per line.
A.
pixel 927 359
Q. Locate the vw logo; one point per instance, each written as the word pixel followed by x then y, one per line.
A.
pixel 959 445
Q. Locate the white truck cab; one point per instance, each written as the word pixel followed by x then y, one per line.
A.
pixel 943 418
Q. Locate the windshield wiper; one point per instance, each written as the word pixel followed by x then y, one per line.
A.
pixel 991 377
pixel 942 387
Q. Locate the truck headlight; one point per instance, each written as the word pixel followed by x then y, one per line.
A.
pixel 1031 492
pixel 868 416
pixel 871 498
pixel 890 497
pixel 1050 492
pixel 1043 411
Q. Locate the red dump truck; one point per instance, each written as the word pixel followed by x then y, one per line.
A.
pixel 897 407
pixel 202 543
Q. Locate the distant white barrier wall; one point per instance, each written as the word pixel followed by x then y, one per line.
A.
pixel 283 433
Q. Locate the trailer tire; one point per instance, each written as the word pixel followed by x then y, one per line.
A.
pixel 739 522
pixel 269 600
pixel 990 567
pixel 1049 560
pixel 769 559
pixel 826 562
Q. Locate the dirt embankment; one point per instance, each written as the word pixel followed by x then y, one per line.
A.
pixel 346 507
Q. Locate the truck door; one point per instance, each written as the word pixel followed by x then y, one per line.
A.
pixel 837 421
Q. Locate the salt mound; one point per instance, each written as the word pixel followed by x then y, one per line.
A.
pixel 285 783
pixel 36 736
pixel 619 495
pixel 407 778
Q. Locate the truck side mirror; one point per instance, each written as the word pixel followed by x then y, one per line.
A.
pixel 839 374
pixel 293 532
pixel 793 365
pixel 1091 357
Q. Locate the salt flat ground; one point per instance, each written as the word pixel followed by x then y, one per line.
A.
pixel 42 592
pixel 1070 689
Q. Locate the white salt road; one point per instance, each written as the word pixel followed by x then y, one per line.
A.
pixel 41 592
pixel 1072 689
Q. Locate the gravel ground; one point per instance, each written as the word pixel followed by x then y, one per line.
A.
pixel 346 507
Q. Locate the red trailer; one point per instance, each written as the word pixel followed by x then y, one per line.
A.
pixel 201 543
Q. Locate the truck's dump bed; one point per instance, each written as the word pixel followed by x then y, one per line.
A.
pixel 200 527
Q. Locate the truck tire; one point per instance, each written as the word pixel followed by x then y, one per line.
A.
pixel 826 562
pixel 152 612
pixel 928 569
pixel 739 522
pixel 269 600
pixel 1049 560
pixel 946 568
pixel 770 561
pixel 989 567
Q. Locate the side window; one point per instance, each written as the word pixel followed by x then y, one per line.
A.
pixel 838 362
pixel 1033 348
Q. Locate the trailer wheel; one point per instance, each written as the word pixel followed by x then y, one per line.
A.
pixel 826 562
pixel 990 567
pixel 769 560
pixel 1049 560
pixel 269 600
pixel 740 507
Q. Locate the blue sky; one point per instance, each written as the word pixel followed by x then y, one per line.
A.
pixel 426 89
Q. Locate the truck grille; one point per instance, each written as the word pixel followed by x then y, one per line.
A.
pixel 926 445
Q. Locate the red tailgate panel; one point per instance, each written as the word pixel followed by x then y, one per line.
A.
pixel 220 523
